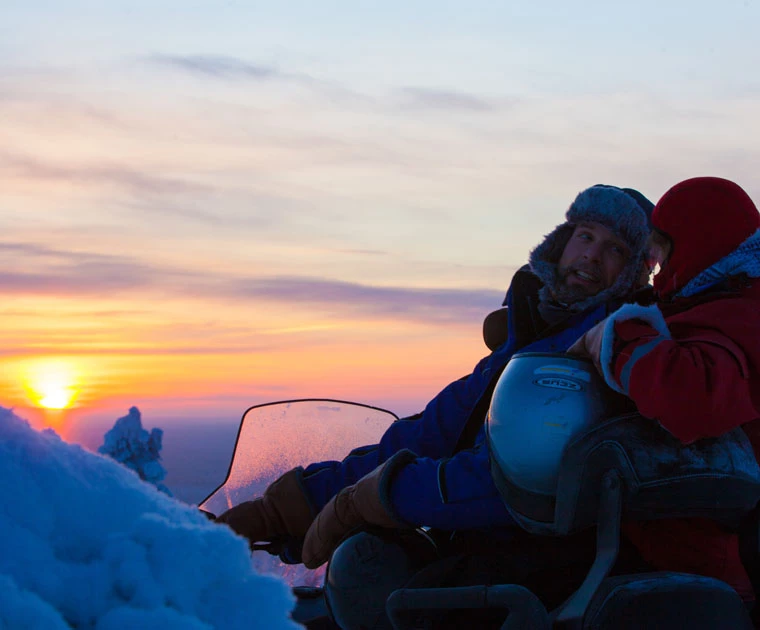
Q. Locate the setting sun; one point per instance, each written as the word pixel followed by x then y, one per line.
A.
pixel 57 398
pixel 51 384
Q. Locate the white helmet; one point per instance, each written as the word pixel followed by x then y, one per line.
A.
pixel 540 403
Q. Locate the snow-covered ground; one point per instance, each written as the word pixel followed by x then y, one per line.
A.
pixel 85 543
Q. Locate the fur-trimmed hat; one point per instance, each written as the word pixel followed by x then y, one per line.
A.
pixel 706 218
pixel 623 211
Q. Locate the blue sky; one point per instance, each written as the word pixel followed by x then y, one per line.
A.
pixel 285 183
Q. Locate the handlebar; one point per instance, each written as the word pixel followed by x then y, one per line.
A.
pixel 282 547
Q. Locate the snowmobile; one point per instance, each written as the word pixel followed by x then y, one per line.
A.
pixel 624 467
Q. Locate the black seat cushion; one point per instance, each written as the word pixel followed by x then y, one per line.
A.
pixel 496 328
pixel 666 600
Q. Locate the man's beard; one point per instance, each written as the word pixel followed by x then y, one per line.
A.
pixel 568 294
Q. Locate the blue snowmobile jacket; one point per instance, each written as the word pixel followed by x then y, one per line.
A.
pixel 448 485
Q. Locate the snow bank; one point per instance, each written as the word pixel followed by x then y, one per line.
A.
pixel 85 543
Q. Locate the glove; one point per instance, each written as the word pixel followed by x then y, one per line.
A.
pixel 590 344
pixel 283 510
pixel 364 503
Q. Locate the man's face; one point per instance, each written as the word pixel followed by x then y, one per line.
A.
pixel 591 262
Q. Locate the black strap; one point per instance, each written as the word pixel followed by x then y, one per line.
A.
pixel 477 415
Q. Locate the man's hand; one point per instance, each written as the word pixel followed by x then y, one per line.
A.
pixel 282 511
pixel 360 504
pixel 254 520
pixel 590 345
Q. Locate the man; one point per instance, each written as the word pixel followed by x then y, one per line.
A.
pixel 692 361
pixel 432 469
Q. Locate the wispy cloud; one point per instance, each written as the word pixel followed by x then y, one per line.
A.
pixel 429 304
pixel 68 282
pixel 30 314
pixel 29 268
pixel 226 68
pixel 445 100
pixel 78 347
pixel 38 251
pixel 219 67
pixel 52 272
pixel 362 252
pixel 30 105
pixel 125 177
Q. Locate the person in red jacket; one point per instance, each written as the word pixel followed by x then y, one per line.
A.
pixel 691 361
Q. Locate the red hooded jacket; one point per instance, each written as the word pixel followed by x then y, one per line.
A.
pixel 692 361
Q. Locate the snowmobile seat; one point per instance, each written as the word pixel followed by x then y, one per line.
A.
pixel 665 600
pixel 628 467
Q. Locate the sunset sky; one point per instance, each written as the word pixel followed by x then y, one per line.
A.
pixel 205 205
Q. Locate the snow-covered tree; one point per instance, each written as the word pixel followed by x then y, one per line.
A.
pixel 128 443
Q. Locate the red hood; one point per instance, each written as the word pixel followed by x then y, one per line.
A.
pixel 706 219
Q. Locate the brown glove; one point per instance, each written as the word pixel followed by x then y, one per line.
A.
pixel 364 503
pixel 283 510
